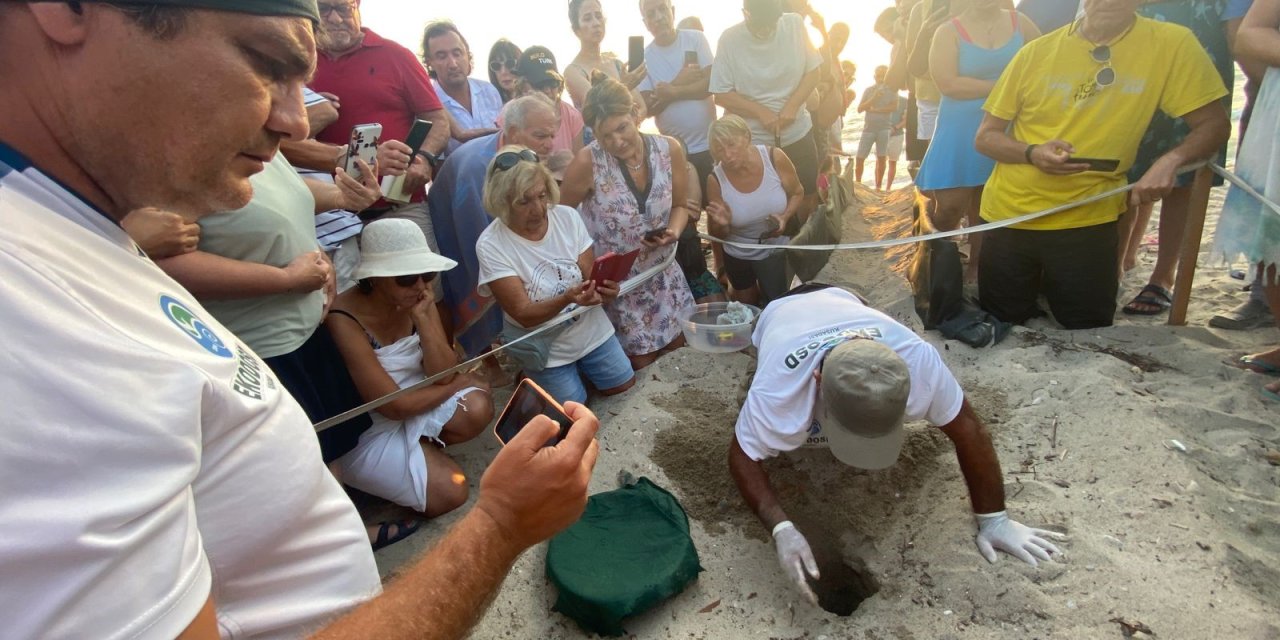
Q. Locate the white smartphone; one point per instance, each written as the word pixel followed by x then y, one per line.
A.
pixel 363 145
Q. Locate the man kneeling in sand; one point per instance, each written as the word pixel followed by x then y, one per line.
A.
pixel 834 372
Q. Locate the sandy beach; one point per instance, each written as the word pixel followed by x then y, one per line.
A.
pixel 1182 539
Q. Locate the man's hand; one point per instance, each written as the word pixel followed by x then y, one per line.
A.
pixel 786 118
pixel 393 157
pixel 1156 183
pixel 1051 157
pixel 531 492
pixel 308 272
pixel 161 234
pixel 418 175
pixel 632 79
pixel 796 558
pixel 997 531
pixel 358 195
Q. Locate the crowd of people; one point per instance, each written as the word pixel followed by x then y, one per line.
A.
pixel 219 297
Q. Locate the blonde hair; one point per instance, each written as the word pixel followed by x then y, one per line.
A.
pixel 729 129
pixel 606 98
pixel 502 187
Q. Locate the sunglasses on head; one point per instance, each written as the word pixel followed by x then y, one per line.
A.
pixel 506 160
pixel 412 279
pixel 1106 76
pixel 499 65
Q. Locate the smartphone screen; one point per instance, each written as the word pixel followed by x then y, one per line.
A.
pixel 1097 164
pixel 635 54
pixel 528 401
pixel 691 58
pixel 418 134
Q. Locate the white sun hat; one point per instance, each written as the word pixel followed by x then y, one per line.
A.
pixel 396 247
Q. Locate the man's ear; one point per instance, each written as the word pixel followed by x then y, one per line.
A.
pixel 64 23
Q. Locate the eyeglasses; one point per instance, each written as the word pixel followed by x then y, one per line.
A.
pixel 410 280
pixel 506 160
pixel 498 65
pixel 1106 76
pixel 345 9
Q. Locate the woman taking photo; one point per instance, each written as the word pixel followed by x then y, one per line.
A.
pixel 390 336
pixel 630 189
pixel 586 17
pixel 751 196
pixel 535 258
pixel 967 56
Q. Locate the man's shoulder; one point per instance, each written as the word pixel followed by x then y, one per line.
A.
pixel 389 48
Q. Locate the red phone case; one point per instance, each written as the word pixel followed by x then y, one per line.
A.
pixel 526 387
pixel 613 266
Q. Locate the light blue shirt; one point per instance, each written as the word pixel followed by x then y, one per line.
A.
pixel 486 104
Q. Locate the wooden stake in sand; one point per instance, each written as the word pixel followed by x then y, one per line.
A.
pixel 1196 211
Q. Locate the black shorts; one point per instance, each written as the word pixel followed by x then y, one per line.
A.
pixel 316 376
pixel 1075 269
pixel 770 273
pixel 915 148
pixel 805 158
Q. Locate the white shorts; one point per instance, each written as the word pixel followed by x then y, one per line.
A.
pixel 896 143
pixel 926 119
pixel 389 463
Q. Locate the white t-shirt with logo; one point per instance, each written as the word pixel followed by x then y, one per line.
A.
pixel 686 120
pixel 792 336
pixel 150 460
pixel 547 268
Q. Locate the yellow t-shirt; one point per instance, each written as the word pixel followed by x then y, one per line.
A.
pixel 1048 92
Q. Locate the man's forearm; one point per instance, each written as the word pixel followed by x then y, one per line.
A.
pixel 978 461
pixel 1000 146
pixel 327 195
pixel 438 138
pixel 739 104
pixel 210 276
pixel 807 84
pixel 753 484
pixel 444 594
pixel 1203 140
pixel 311 154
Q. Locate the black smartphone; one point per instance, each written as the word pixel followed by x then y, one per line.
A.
pixel 529 401
pixel 654 234
pixel 635 52
pixel 691 59
pixel 418 135
pixel 1096 164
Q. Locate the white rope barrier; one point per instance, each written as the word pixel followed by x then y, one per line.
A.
pixel 570 313
pixel 1244 186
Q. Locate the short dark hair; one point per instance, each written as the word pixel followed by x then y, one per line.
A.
pixel 436 29
pixel 503 49
pixel 162 22
pixel 575 7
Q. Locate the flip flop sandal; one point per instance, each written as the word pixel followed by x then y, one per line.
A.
pixel 1250 363
pixel 404 529
pixel 1152 295
pixel 1272 395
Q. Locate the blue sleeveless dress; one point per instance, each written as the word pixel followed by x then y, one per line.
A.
pixel 952 161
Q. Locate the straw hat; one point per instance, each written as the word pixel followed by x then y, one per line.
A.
pixel 396 247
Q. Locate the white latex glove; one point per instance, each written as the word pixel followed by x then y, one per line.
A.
pixel 997 531
pixel 796 557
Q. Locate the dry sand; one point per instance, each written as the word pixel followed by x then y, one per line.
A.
pixel 1186 543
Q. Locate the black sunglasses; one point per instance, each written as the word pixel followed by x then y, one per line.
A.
pixel 345 9
pixel 506 160
pixel 1106 76
pixel 499 65
pixel 410 280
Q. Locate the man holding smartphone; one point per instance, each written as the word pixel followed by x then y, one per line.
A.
pixel 150 459
pixel 1088 90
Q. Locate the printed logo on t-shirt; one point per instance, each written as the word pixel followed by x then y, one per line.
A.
pixel 193 326
pixel 820 344
pixel 816 438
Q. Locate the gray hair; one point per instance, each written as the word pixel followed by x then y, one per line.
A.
pixel 518 112
pixel 503 187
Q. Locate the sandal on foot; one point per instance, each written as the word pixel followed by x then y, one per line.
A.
pixel 1250 363
pixel 1272 395
pixel 1152 295
pixel 404 529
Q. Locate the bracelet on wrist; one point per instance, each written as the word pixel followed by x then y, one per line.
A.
pixel 1027 153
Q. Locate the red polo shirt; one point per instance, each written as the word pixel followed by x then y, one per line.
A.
pixel 380 81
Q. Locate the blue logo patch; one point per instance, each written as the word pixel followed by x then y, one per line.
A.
pixel 193 326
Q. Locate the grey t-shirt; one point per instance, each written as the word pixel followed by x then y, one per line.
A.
pixel 767 72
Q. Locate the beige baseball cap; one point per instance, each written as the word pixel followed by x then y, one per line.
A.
pixel 863 400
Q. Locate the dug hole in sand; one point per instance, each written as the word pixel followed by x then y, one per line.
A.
pixel 1183 544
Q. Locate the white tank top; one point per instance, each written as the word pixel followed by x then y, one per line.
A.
pixel 750 211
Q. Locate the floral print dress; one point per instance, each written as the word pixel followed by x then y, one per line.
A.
pixel 617 214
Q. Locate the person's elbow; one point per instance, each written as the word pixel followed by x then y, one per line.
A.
pixel 397 410
pixel 985 142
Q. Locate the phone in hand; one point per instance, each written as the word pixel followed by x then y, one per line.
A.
pixel 417 135
pixel 363 144
pixel 1096 164
pixel 635 52
pixel 613 266
pixel 655 234
pixel 691 58
pixel 528 402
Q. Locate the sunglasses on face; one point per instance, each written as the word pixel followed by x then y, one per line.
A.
pixel 509 159
pixel 410 280
pixel 345 10
pixel 498 65
pixel 1106 76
